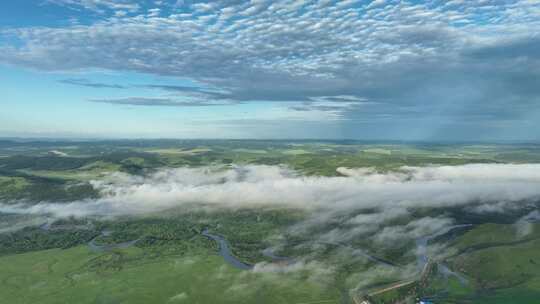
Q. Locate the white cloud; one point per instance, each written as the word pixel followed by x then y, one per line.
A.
pixel 294 51
pixel 504 186
pixel 376 3
pixel 99 6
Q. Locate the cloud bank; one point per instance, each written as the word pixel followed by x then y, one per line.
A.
pixel 494 187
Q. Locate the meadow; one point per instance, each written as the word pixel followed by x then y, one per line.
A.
pixel 77 275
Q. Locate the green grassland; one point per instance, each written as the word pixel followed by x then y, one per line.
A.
pixel 494 235
pixel 174 235
pixel 496 262
pixel 172 262
pixel 500 266
pixel 10 186
pixel 77 275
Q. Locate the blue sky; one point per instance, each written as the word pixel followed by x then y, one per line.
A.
pixel 359 69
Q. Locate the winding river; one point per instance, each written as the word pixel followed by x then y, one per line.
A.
pixel 92 243
pixel 107 247
pixel 228 256
pixel 423 258
pixel 225 251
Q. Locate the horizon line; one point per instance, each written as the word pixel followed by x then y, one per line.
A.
pixel 132 139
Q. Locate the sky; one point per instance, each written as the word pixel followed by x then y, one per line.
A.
pixel 355 69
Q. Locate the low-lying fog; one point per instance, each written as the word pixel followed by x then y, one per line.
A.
pixel 478 187
pixel 380 207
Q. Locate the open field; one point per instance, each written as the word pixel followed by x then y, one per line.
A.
pixel 77 275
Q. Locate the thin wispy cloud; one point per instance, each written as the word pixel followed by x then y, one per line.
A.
pixel 99 6
pixel 87 83
pixel 158 101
